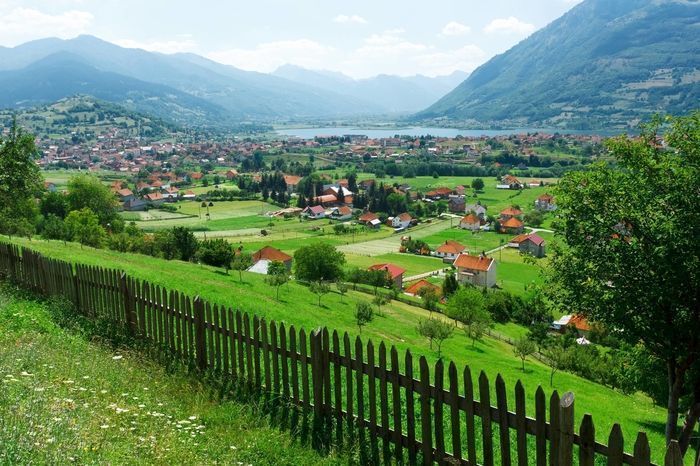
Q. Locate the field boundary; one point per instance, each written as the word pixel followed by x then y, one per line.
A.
pixel 365 394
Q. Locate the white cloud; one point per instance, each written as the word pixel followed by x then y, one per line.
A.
pixel 343 19
pixel 268 56
pixel 163 46
pixel 453 28
pixel 510 25
pixel 23 24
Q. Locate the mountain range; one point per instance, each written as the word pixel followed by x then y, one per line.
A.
pixel 605 62
pixel 191 89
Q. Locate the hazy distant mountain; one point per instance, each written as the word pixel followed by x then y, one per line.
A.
pixel 605 61
pixel 241 94
pixel 392 93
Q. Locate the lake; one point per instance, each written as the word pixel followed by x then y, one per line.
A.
pixel 375 133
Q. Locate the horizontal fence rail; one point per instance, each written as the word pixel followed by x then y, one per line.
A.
pixel 397 408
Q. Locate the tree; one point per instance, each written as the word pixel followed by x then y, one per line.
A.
pixel 87 191
pixel 435 330
pixel 363 314
pixel 241 261
pixel 430 297
pixel 342 289
pixel 379 300
pixel 84 227
pixel 20 182
pixel 522 348
pixel 216 252
pixel 556 357
pixel 277 275
pixel 632 250
pixel 55 204
pixel 185 242
pixel 449 285
pixel 53 227
pixel 467 306
pixel 534 218
pixel 477 184
pixel 318 262
pixel 319 288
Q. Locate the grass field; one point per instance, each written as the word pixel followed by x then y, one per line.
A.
pixel 397 327
pixel 66 399
pixel 413 264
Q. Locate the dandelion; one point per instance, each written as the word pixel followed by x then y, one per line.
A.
pixel 103 391
pixel 104 426
pixel 85 377
pixel 117 357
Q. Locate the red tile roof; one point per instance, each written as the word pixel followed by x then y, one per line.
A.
pixel 292 180
pixel 580 323
pixel 450 247
pixel 367 217
pixel 271 254
pixel 512 211
pixel 471 218
pixel 512 223
pixel 466 261
pixel 545 198
pixel 415 288
pixel 405 217
pixel 534 237
pixel 393 270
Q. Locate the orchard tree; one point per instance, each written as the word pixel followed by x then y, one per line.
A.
pixel 84 227
pixel 342 289
pixel 477 184
pixel 318 262
pixel 435 330
pixel 430 297
pixel 363 314
pixel 20 182
pixel 87 191
pixel 319 288
pixel 217 253
pixel 522 348
pixel 631 256
pixel 185 242
pixel 277 275
pixel 241 261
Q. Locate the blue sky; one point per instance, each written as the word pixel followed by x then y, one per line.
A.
pixel 360 38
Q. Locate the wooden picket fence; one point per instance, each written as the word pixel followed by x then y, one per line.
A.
pixel 354 392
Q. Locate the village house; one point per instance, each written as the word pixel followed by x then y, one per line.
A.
pixel 154 199
pixel 575 321
pixel 457 204
pixel 531 244
pixel 125 195
pixel 269 254
pixel 415 288
pixel 509 182
pixel 189 195
pixel 171 193
pixel 401 221
pixel 478 270
pixel 438 193
pixel 314 212
pixel 545 202
pixel 512 226
pixel 370 219
pixel 341 213
pixel 449 251
pixel 231 174
pixel 394 271
pixel 292 182
pixel 135 205
pixel 510 212
pixel 477 209
pixel 470 222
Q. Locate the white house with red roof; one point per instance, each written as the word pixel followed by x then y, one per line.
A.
pixel 478 270
pixel 314 212
pixel 394 271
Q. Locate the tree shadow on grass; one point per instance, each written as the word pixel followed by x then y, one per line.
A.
pixel 654 426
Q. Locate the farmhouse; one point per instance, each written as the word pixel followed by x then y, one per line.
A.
pixel 531 244
pixel 512 226
pixel 478 270
pixel 457 204
pixel 125 195
pixel 415 288
pixel 270 254
pixel 470 222
pixel 394 271
pixel 509 182
pixel 575 321
pixel 510 212
pixel 438 193
pixel 545 202
pixel 477 209
pixel 341 213
pixel 370 220
pixel 292 182
pixel 449 251
pixel 401 221
pixel 316 212
pixel 231 174
pixel 155 199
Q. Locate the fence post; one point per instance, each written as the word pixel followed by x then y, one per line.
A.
pixel 673 455
pixel 200 335
pixel 317 377
pixel 129 313
pixel 566 429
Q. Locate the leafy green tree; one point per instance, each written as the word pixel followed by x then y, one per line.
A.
pixel 363 314
pixel 631 260
pixel 430 298
pixel 522 348
pixel 54 203
pixel 54 227
pixel 318 262
pixel 87 191
pixel 277 275
pixel 449 285
pixel 319 288
pixel 534 218
pixel 84 227
pixel 477 184
pixel 467 306
pixel 556 356
pixel 396 203
pixel 216 252
pixel 20 182
pixel 435 330
pixel 342 289
pixel 241 261
pixel 379 300
pixel 185 242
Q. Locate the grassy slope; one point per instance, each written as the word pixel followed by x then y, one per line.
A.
pixel 397 327
pixel 65 399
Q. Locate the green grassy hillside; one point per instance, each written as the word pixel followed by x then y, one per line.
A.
pixel 66 399
pixel 396 327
